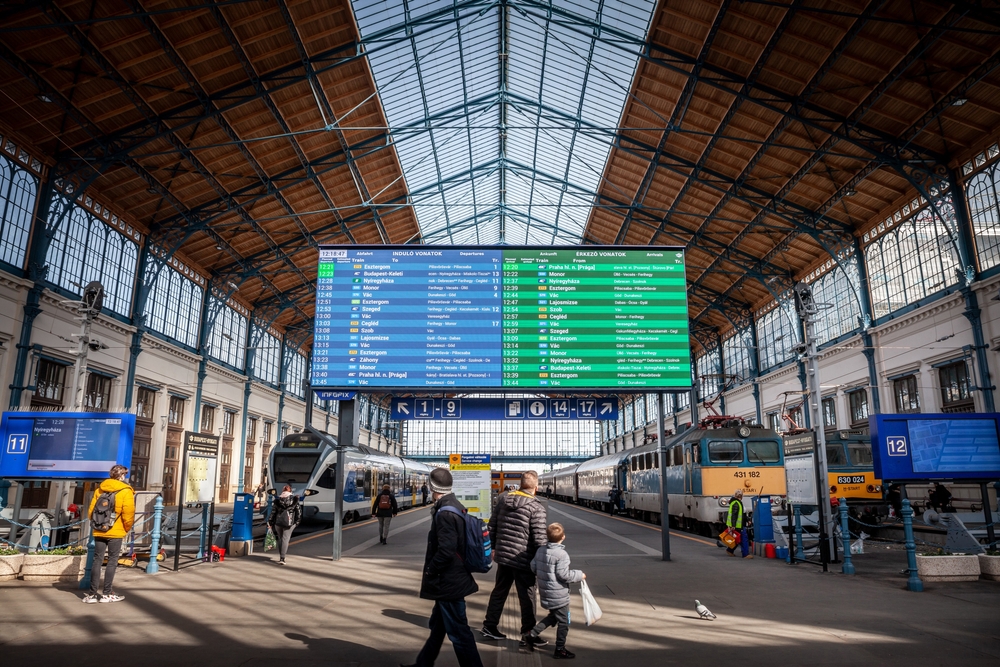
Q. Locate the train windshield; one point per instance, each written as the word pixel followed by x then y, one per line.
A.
pixel 289 468
pixel 835 455
pixel 725 451
pixel 763 451
pixel 861 453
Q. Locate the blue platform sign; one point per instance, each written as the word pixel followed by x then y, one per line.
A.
pixel 570 408
pixel 936 446
pixel 64 445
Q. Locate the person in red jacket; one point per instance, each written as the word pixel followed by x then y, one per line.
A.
pixel 109 540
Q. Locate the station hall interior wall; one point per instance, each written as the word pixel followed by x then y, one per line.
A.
pixel 916 342
pixel 171 369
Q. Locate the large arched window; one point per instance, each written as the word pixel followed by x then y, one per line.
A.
pixel 295 372
pixel 983 193
pixel 836 291
pixel 228 335
pixel 267 352
pixel 174 307
pixel 708 374
pixel 777 332
pixel 18 191
pixel 736 356
pixel 85 248
pixel 914 257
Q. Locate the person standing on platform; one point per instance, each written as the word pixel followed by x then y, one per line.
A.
pixel 517 530
pixel 613 496
pixel 895 499
pixel 286 514
pixel 736 523
pixel 551 566
pixel 445 579
pixel 423 492
pixel 384 507
pixel 112 513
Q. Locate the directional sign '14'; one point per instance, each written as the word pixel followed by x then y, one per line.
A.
pixel 505 408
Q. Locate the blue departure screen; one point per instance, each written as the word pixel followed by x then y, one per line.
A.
pixel 967 445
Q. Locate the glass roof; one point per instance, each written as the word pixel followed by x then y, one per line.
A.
pixel 503 114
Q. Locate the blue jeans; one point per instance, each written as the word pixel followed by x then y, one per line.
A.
pixel 744 544
pixel 448 618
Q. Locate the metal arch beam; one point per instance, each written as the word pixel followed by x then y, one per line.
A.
pixel 807 92
pixel 332 122
pixel 268 100
pixel 677 116
pixel 140 104
pixel 865 138
pixel 223 123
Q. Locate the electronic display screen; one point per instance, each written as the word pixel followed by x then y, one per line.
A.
pixel 936 446
pixel 575 318
pixel 966 445
pixel 65 445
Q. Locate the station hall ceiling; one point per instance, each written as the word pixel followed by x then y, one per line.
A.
pixel 765 136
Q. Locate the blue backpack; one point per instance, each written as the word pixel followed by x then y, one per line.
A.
pixel 478 550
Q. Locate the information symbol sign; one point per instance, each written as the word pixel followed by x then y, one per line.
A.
pixel 536 409
pixel 896 444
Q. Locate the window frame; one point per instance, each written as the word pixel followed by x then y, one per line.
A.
pixel 907 386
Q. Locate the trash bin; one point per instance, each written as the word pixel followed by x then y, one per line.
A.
pixel 241 537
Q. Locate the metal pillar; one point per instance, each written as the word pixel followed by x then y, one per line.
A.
pixel 347 436
pixel 800 553
pixel 808 312
pixel 845 533
pixel 154 545
pixel 661 438
pixel 991 537
pixel 913 583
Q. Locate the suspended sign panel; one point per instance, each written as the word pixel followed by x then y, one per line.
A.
pixel 594 318
pixel 936 446
pixel 64 445
pixel 603 408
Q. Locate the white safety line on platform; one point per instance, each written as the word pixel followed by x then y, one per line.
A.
pixel 375 540
pixel 350 526
pixel 638 546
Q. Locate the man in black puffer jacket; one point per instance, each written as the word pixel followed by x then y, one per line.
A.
pixel 445 579
pixel 517 530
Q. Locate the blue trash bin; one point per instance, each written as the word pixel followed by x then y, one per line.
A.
pixel 243 518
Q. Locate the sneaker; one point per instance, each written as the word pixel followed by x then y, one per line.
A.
pixel 281 562
pixel 492 632
pixel 731 553
pixel 563 654
pixel 749 556
pixel 533 641
pixel 114 597
pixel 91 599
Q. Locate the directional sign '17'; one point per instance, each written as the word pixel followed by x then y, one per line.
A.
pixel 505 408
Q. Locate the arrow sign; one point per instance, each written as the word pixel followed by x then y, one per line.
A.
pixel 404 408
pixel 606 407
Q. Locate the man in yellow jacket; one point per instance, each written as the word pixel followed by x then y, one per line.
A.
pixel 114 519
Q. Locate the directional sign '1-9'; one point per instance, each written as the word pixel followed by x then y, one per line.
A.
pixel 495 318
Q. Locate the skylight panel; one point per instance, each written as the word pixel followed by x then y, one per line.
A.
pixel 438 68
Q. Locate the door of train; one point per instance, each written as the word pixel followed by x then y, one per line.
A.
pixel 688 472
pixel 369 481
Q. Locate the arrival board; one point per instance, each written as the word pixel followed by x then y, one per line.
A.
pixel 497 318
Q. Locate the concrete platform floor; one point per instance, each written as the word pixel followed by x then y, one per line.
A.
pixel 364 610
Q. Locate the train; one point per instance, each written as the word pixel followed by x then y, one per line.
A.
pixel 705 465
pixel 504 481
pixel 307 463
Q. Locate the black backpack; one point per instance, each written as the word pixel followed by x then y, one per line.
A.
pixel 285 517
pixel 103 517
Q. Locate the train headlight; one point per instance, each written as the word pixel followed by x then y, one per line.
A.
pixel 723 502
pixel 310 492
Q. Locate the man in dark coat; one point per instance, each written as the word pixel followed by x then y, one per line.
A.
pixel 517 530
pixel 445 579
pixel 384 507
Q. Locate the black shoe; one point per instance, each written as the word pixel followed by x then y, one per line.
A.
pixel 563 654
pixel 492 632
pixel 532 641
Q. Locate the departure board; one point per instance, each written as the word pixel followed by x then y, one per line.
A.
pixel 500 318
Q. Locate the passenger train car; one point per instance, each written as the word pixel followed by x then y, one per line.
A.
pixel 705 465
pixel 306 463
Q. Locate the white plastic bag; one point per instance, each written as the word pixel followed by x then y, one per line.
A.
pixel 591 611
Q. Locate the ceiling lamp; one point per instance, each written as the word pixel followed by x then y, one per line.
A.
pixel 959 101
pixel 44 98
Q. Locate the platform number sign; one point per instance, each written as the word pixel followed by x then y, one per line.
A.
pixel 896 445
pixel 451 408
pixel 424 408
pixel 586 408
pixel 559 408
pixel 17 443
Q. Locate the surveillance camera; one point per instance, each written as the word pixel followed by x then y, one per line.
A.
pixel 802 288
pixel 800 348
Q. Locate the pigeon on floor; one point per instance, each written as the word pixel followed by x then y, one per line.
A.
pixel 703 611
